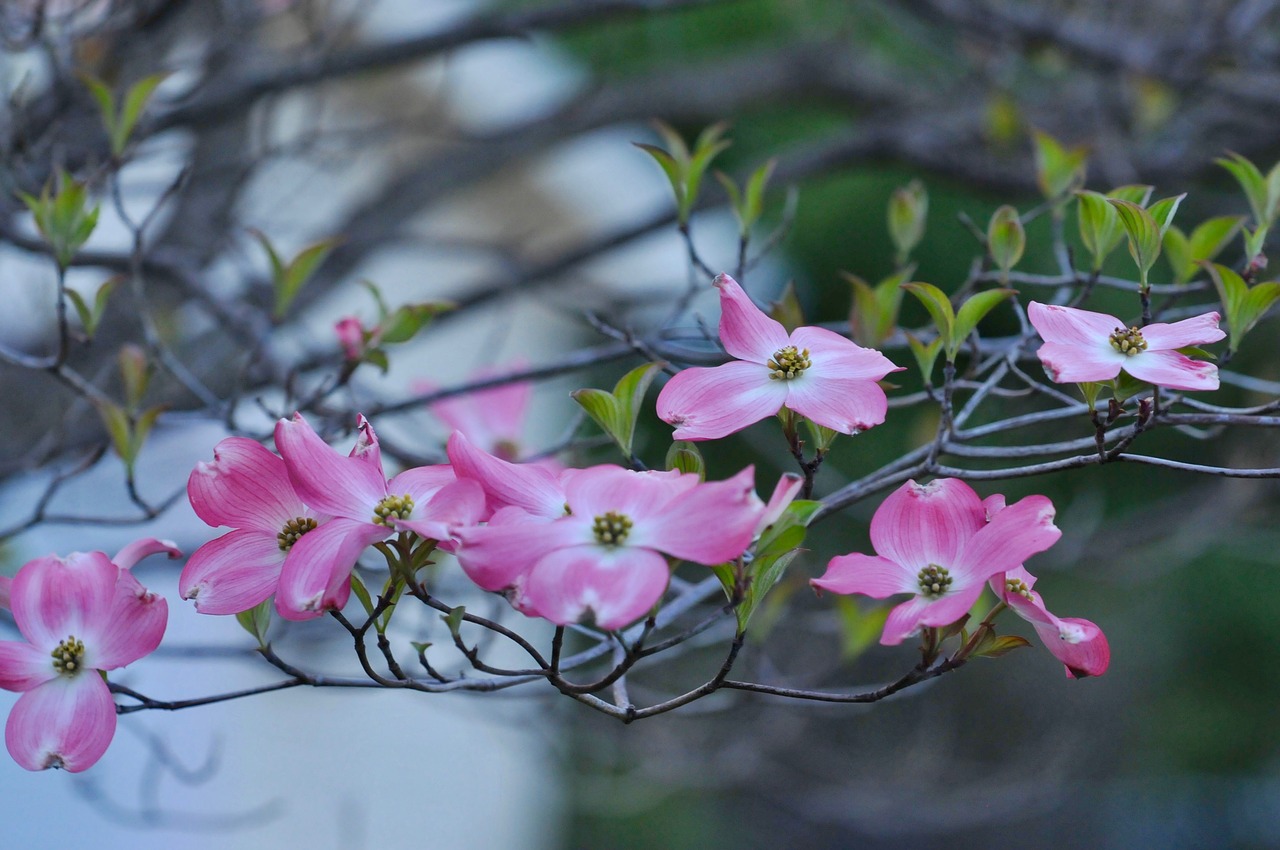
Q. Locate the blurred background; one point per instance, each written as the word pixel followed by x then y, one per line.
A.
pixel 480 152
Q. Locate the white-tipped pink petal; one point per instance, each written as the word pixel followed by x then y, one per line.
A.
pixel 746 332
pixel 1013 535
pixel 1198 330
pixel 134 628
pixel 23 666
pixel 456 505
pixel 614 586
pixel 54 598
pixel 66 723
pixel 839 357
pixel 923 524
pixel 232 573
pixel 907 618
pixel 847 405
pixel 1073 364
pixel 134 552
pixel 870 575
pixel 245 486
pixel 1079 644
pixel 367 449
pixel 495 555
pixel 993 505
pixel 1173 370
pixel 325 479
pixel 784 493
pixel 684 528
pixel 316 575
pixel 1071 326
pixel 531 488
pixel 708 403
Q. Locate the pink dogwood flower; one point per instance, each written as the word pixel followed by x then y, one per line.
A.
pixel 80 615
pixel 814 372
pixel 935 542
pixel 1079 644
pixel 366 508
pixel 352 336
pixel 491 418
pixel 1083 346
pixel 246 488
pixel 604 556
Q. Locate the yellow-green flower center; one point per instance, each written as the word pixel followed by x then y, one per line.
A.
pixel 611 528
pixel 1128 341
pixel 788 363
pixel 68 657
pixel 1018 586
pixel 934 581
pixel 294 529
pixel 393 507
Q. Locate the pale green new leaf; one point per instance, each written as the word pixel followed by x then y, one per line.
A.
pixel 1143 232
pixel 938 305
pixel 1253 183
pixel 1006 238
pixel 972 311
pixel 617 412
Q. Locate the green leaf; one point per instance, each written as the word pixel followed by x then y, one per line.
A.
pixel 1162 212
pixel 1125 386
pixel 670 167
pixel 765 572
pixel 994 646
pixel 1177 250
pixel 787 310
pixel 1210 238
pixel 926 355
pixel 407 320
pixel 1099 229
pixel 939 307
pixel 861 629
pixel 1253 308
pixel 874 314
pixel 1254 240
pixel 256 621
pixel 1143 232
pixel 753 198
pixel 298 271
pixel 821 435
pixel 687 457
pixel 1006 239
pixel 135 373
pixel 118 428
pixel 788 530
pixel 1058 170
pixel 362 593
pixel 1254 184
pixel 454 620
pixel 972 311
pixel 106 101
pixel 143 426
pixel 618 411
pixel 134 103
pixel 908 211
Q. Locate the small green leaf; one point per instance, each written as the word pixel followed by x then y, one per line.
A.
pixel 118 428
pixel 788 530
pixel 1255 306
pixel 1177 250
pixel 1006 239
pixel 142 427
pixel 1143 232
pixel 1125 387
pixel 938 305
pixel 1058 170
pixel 1162 212
pixel 908 211
pixel 765 571
pixel 1099 229
pixel 687 457
pixel 135 372
pixel 298 271
pixel 454 620
pixel 256 621
pixel 926 355
pixel 874 314
pixel 972 311
pixel 407 320
pixel 994 646
pixel 618 411
pixel 822 436
pixel 134 103
pixel 1254 185
pixel 362 593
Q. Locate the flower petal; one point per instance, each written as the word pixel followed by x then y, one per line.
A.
pixel 134 552
pixel 134 629
pixel 316 575
pixel 706 403
pixel 66 722
pixel 836 356
pixel 495 555
pixel 746 332
pixel 870 575
pixel 531 488
pixel 458 504
pixel 708 524
pixel 326 480
pixel 422 482
pixel 1013 535
pixel 1070 326
pixel 54 598
pixel 245 486
pixel 847 405
pixel 1173 370
pixel 784 493
pixel 600 489
pixel 1069 364
pixel 232 573
pixel 906 619
pixel 23 666
pixel 1079 644
pixel 615 586
pixel 922 524
pixel 1198 330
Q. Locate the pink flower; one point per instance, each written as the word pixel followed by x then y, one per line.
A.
pixel 814 372
pixel 1079 644
pixel 934 541
pixel 366 508
pixel 1083 346
pixel 532 488
pixel 352 336
pixel 80 615
pixel 604 558
pixel 246 488
pixel 491 418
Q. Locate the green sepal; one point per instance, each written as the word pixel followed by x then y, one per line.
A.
pixel 1006 238
pixel 992 645
pixel 618 411
pixel 1124 387
pixel 1091 390
pixel 256 621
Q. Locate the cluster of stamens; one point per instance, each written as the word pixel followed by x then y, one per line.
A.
pixel 934 580
pixel 68 656
pixel 1018 586
pixel 611 528
pixel 393 507
pixel 294 529
pixel 1128 341
pixel 788 363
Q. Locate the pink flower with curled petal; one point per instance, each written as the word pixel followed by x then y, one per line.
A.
pixel 935 542
pixel 492 418
pixel 352 336
pixel 80 615
pixel 366 508
pixel 604 559
pixel 1082 346
pixel 1079 644
pixel 245 488
pixel 814 372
